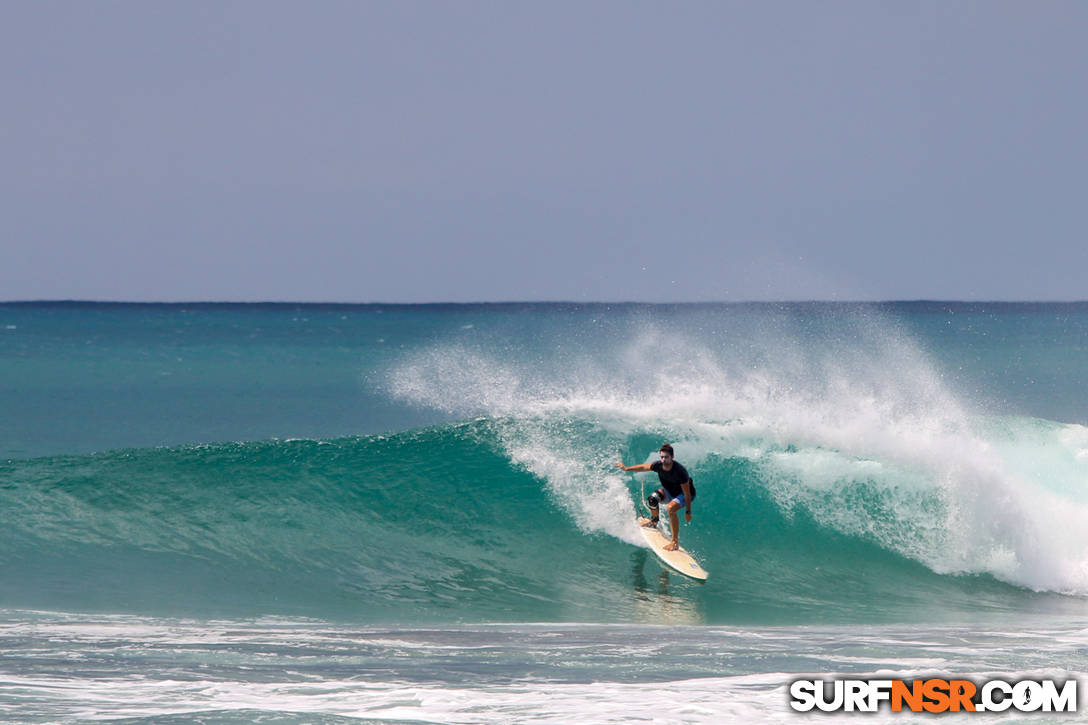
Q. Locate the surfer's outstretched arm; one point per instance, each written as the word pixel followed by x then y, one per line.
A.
pixel 640 468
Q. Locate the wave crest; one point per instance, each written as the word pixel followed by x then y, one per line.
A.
pixel 851 423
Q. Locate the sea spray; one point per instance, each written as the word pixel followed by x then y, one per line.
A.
pixel 862 434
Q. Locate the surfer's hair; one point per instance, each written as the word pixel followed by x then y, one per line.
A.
pixel 667 449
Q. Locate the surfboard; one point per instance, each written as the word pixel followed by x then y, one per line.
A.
pixel 680 560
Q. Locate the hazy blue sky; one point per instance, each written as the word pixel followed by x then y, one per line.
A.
pixel 458 151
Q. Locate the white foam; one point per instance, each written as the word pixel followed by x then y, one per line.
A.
pixel 747 698
pixel 77 668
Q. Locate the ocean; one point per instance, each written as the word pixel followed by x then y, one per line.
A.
pixel 304 513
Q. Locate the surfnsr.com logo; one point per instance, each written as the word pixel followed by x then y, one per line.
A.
pixel 934 695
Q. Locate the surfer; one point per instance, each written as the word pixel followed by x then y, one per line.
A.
pixel 677 489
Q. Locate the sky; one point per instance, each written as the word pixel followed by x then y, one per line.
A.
pixel 541 151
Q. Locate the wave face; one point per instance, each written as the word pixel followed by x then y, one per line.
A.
pixel 845 474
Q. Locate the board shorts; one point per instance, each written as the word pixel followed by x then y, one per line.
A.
pixel 669 498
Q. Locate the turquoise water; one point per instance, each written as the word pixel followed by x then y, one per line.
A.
pixel 914 469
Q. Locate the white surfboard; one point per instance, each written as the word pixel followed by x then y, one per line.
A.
pixel 680 560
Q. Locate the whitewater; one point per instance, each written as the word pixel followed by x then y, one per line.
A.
pixel 344 513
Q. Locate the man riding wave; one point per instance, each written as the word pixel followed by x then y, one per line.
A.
pixel 677 489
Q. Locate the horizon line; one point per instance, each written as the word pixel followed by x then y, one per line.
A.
pixel 919 300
